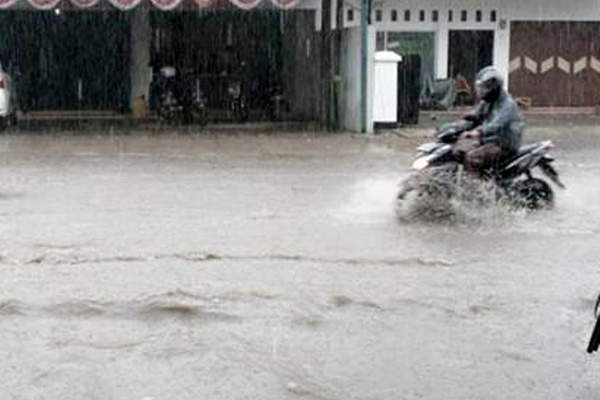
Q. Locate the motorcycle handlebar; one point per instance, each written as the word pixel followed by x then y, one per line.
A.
pixel 447 135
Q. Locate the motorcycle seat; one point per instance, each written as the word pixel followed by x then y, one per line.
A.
pixel 528 148
pixel 523 150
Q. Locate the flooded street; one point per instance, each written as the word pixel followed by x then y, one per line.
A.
pixel 223 266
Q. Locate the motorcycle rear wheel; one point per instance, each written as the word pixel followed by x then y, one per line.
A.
pixel 533 194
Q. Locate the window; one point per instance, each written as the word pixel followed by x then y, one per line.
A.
pixel 380 41
pixel 478 15
pixel 450 15
pixel 378 15
pixel 394 15
pixel 350 15
pixel 493 16
pixel 435 16
pixel 463 15
pixel 422 15
pixel 407 15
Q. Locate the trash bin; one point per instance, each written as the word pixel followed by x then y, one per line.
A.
pixel 385 97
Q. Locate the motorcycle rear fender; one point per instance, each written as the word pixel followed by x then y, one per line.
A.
pixel 549 171
pixel 523 163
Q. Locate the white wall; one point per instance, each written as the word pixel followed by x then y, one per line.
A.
pixel 428 6
pixel 505 10
pixel 557 10
pixel 501 57
pixel 350 112
pixel 443 25
pixel 527 10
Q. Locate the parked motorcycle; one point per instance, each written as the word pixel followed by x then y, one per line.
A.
pixel 435 173
pixel 238 105
pixel 180 98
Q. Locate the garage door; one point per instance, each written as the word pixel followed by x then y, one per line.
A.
pixel 556 63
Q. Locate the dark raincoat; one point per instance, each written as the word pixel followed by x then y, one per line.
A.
pixel 499 121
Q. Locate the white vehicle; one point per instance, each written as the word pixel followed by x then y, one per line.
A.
pixel 8 100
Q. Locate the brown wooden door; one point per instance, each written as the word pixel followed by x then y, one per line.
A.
pixel 556 63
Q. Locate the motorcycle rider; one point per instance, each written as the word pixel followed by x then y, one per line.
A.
pixel 491 132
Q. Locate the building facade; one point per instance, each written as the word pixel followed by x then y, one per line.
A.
pixel 103 53
pixel 548 50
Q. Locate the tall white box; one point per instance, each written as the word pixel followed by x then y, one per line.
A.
pixel 385 97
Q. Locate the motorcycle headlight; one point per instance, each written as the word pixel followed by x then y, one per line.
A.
pixel 421 163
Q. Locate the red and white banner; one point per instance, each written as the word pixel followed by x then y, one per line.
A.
pixel 205 3
pixel 125 4
pixel 7 3
pixel 285 4
pixel 44 4
pixel 84 3
pixel 166 5
pixel 246 4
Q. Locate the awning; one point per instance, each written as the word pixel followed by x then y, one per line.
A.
pixel 164 5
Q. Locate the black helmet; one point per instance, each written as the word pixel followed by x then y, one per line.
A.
pixel 488 83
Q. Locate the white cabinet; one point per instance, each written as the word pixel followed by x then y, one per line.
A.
pixel 385 98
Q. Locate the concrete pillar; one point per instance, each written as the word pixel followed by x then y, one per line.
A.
pixel 371 45
pixel 351 97
pixel 441 51
pixel 502 50
pixel 141 39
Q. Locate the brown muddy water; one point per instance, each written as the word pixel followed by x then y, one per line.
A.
pixel 205 266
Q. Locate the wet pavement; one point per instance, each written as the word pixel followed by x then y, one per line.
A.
pixel 219 265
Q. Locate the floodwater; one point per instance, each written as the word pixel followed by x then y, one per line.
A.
pixel 223 266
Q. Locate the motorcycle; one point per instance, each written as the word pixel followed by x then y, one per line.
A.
pixel 238 106
pixel 180 98
pixel 237 92
pixel 435 173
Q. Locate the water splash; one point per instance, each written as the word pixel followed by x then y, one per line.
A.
pixel 472 203
pixel 371 200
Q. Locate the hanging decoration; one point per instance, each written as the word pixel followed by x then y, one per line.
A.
pixel 285 4
pixel 246 4
pixel 7 3
pixel 84 3
pixel 44 4
pixel 205 3
pixel 125 4
pixel 166 5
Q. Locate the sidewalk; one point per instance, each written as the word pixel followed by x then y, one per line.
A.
pixel 50 120
pixel 535 116
pixel 531 111
pixel 108 114
pixel 53 120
